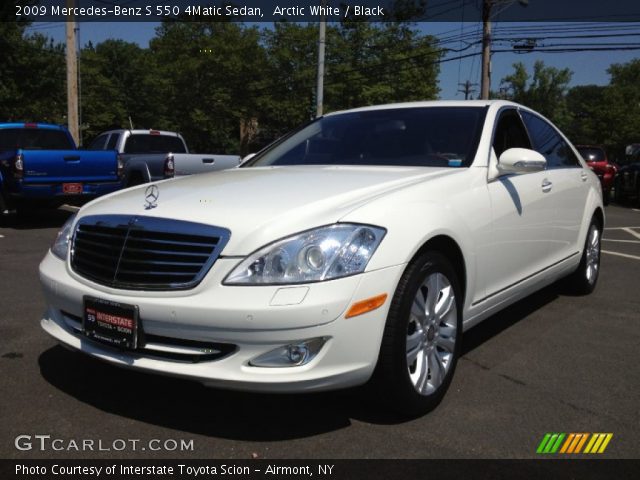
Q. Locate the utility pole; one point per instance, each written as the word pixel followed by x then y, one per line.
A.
pixel 321 47
pixel 487 5
pixel 485 79
pixel 72 75
pixel 467 89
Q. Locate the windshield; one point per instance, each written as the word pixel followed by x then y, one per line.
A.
pixel 425 137
pixel 34 139
pixel 147 143
pixel 592 154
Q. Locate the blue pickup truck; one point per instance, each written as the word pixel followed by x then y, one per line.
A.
pixel 41 165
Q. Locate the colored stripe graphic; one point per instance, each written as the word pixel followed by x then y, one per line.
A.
pixel 550 443
pixel 573 443
pixel 598 442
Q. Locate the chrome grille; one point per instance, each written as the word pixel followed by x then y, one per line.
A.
pixel 145 253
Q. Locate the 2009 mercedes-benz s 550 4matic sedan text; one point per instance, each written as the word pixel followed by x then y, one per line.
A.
pixel 357 248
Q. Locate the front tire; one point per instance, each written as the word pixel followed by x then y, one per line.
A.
pixel 422 336
pixel 583 281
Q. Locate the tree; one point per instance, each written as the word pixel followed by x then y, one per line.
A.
pixel 380 63
pixel 544 91
pixel 622 101
pixel 214 71
pixel 32 81
pixel 587 106
pixel 120 82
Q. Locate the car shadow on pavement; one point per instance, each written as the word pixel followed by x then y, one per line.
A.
pixel 494 325
pixel 190 407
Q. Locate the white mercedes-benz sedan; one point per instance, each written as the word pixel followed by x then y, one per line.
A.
pixel 356 249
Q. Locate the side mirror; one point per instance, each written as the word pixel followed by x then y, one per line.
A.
pixel 520 160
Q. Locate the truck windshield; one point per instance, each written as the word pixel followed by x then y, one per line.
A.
pixel 34 139
pixel 420 136
pixel 147 143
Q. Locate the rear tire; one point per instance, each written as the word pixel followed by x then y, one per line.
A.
pixel 583 281
pixel 422 337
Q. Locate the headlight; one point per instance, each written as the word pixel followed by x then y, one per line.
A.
pixel 60 247
pixel 321 254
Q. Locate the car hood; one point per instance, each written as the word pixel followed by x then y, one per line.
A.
pixel 262 204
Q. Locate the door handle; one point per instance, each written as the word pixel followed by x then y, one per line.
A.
pixel 546 185
pixel 72 158
pixel 584 176
pixel 210 161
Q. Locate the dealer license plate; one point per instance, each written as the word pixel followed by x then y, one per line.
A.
pixel 110 322
pixel 72 188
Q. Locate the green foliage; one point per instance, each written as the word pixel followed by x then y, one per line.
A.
pixel 119 84
pixel 213 71
pixel 32 77
pixel 544 91
pixel 206 79
pixel 622 104
pixel 587 105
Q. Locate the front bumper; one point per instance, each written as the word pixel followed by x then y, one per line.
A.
pixel 255 320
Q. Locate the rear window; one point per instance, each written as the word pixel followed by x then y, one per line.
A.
pixel 592 154
pixel 145 143
pixel 34 139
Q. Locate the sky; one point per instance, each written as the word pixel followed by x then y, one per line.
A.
pixel 588 67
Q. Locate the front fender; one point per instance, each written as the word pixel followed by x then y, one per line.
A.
pixel 417 214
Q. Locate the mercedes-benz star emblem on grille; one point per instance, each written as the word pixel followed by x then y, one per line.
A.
pixel 151 195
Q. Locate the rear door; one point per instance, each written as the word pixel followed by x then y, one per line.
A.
pixel 568 187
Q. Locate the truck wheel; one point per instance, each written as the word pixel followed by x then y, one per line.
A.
pixel 422 336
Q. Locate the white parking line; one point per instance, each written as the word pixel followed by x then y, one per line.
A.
pixel 619 228
pixel 635 257
pixel 1 236
pixel 620 241
pixel 631 232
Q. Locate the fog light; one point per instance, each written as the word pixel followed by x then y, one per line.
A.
pixel 292 355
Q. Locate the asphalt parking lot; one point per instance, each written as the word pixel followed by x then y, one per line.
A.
pixel 551 363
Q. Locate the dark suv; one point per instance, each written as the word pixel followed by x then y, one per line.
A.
pixel 596 158
pixel 627 183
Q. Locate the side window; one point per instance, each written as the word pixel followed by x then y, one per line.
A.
pixel 113 141
pixel 549 143
pixel 99 142
pixel 510 133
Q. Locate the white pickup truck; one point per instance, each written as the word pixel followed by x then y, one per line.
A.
pixel 151 155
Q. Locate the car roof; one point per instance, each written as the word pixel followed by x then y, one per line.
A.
pixel 141 131
pixel 432 103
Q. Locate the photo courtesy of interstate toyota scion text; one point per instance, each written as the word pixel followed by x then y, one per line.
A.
pixel 355 250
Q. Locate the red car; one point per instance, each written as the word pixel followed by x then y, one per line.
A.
pixel 596 158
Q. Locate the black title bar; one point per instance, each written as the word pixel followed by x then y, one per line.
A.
pixel 331 10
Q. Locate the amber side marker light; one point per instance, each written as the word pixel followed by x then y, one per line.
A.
pixel 367 305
